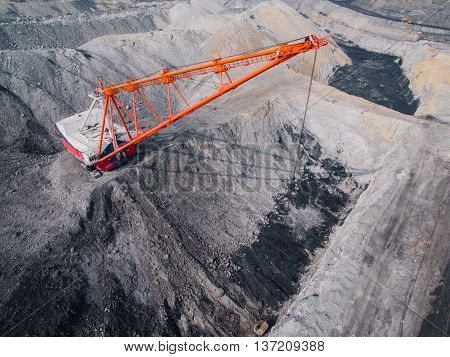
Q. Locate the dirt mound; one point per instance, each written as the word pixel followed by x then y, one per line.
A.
pixel 20 128
pixel 228 217
pixel 121 257
pixel 55 83
pixel 274 22
pixel 135 264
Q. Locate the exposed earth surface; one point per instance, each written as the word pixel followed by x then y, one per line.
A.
pixel 242 212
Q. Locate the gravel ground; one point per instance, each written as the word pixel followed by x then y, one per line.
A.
pixel 210 229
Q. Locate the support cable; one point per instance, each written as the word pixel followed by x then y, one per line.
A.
pixel 305 113
pixel 301 133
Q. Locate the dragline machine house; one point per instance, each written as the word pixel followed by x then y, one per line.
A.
pixel 120 116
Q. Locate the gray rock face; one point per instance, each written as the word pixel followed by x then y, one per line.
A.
pixel 373 277
pixel 229 217
pixel 431 12
pixel 425 52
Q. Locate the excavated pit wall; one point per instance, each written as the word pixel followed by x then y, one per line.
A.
pixel 127 254
pixel 81 25
pixel 179 243
pixel 425 52
pixel 376 77
pixel 154 254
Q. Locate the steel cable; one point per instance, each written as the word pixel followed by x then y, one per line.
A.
pixel 299 147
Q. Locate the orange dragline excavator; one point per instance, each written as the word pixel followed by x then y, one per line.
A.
pixel 105 136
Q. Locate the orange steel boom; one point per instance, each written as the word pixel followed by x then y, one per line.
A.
pixel 218 67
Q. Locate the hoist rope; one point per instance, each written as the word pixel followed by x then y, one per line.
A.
pixel 301 132
pixel 305 113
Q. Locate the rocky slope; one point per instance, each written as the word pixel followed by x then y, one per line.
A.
pixel 227 218
pixel 177 244
pixel 424 51
pixel 430 12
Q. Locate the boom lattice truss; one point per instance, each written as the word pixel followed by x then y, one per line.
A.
pixel 140 124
